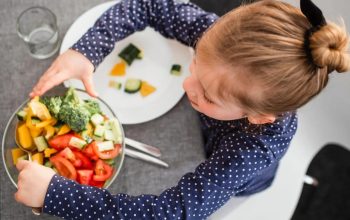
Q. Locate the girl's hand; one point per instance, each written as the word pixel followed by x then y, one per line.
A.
pixel 33 181
pixel 70 64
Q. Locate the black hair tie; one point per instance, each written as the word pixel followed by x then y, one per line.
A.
pixel 317 20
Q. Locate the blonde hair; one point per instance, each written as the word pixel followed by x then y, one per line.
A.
pixel 267 38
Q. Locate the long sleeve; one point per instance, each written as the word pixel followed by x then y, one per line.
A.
pixel 184 22
pixel 240 160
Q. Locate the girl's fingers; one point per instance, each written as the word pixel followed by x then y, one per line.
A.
pixel 22 164
pixel 89 86
pixel 51 82
pixel 17 197
pixel 50 73
pixel 42 81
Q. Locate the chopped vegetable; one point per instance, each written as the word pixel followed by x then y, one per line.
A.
pixel 39 110
pixel 117 133
pixel 40 143
pixel 146 89
pixel 39 158
pixel 75 116
pixel 64 130
pixel 102 171
pixel 64 167
pixel 49 132
pixel 24 137
pixel 77 143
pixel 24 157
pixel 99 131
pixel 84 160
pixel 105 146
pixel 48 164
pixel 35 132
pixel 97 119
pixel 21 115
pixel 17 153
pixel 176 70
pixel 115 84
pixel 92 106
pixel 68 154
pixel 132 85
pixel 85 176
pixel 75 112
pixel 53 104
pixel 49 151
pixel 119 69
pixel 61 142
pixel 89 152
pixel 130 53
pixel 106 154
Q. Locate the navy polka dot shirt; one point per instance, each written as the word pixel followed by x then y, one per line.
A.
pixel 242 158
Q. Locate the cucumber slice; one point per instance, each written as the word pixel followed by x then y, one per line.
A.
pixel 117 133
pixel 176 70
pixel 86 137
pixel 110 162
pixel 35 121
pixel 132 85
pixel 105 146
pixel 24 157
pixel 100 139
pixel 109 135
pixel 97 119
pixel 77 143
pixel 21 115
pixel 40 143
pixel 48 164
pixel 130 53
pixel 99 131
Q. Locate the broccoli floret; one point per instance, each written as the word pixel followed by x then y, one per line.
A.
pixel 92 106
pixel 75 116
pixel 71 109
pixel 53 104
pixel 72 97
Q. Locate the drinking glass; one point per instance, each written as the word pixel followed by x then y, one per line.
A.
pixel 37 26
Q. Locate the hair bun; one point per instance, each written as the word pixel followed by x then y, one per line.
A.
pixel 329 47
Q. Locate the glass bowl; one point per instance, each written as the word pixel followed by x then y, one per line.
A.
pixel 8 141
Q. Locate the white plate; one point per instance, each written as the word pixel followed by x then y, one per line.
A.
pixel 159 55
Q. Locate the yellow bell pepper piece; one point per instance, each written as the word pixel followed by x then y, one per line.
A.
pixel 49 132
pixel 39 110
pixel 39 158
pixel 64 130
pixel 17 153
pixel 90 129
pixel 45 123
pixel 29 123
pixel 54 121
pixel 119 69
pixel 35 132
pixel 146 89
pixel 25 139
pixel 49 151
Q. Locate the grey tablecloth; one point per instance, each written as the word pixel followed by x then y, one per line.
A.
pixel 176 133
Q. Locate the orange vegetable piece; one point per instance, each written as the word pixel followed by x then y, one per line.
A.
pixel 146 89
pixel 119 69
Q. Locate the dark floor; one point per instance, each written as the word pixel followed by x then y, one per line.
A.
pixel 220 7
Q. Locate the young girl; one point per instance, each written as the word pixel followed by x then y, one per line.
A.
pixel 252 69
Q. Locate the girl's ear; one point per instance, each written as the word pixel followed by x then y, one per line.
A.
pixel 261 119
